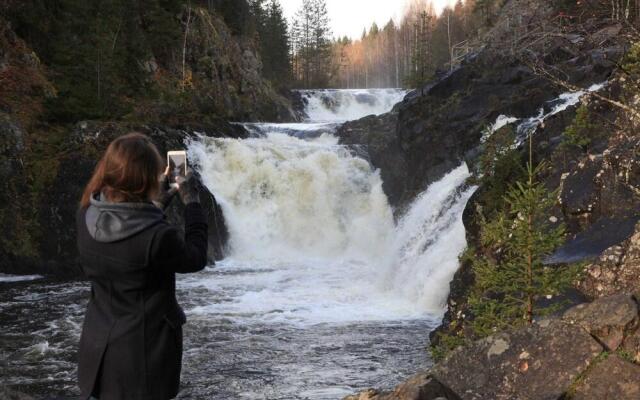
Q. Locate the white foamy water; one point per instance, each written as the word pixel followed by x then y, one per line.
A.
pixel 530 125
pixel 349 104
pixel 18 278
pixel 313 231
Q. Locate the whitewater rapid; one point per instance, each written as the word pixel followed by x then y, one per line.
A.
pixel 311 217
pixel 340 105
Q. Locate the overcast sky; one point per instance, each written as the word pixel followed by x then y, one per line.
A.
pixel 350 17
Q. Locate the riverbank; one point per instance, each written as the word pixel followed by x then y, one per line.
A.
pixel 498 96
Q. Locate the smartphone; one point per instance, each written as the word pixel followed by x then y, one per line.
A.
pixel 177 162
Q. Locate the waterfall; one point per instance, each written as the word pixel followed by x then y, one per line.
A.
pixel 349 104
pixel 285 197
pixel 310 215
pixel 528 126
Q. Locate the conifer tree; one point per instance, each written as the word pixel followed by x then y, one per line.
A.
pixel 512 276
pixel 312 36
pixel 275 45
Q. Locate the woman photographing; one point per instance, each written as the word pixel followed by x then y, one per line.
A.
pixel 131 343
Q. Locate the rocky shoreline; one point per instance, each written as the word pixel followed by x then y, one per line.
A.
pixel 570 355
pixel 590 351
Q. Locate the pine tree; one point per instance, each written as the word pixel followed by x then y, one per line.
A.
pixel 512 277
pixel 313 44
pixel 422 57
pixel 275 47
pixel 236 13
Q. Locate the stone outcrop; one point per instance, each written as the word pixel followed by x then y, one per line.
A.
pixel 383 149
pixel 613 378
pixel 603 185
pixel 588 353
pixel 609 320
pixel 226 74
pixel 540 362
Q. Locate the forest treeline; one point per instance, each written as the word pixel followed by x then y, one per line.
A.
pixel 99 54
pixel 403 53
pixel 407 52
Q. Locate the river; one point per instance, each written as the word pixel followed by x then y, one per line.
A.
pixel 322 292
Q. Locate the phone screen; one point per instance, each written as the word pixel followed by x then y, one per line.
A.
pixel 177 161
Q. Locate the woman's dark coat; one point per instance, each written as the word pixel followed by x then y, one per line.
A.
pixel 131 344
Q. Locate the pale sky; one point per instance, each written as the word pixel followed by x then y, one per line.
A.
pixel 350 17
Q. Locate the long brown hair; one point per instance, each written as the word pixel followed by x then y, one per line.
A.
pixel 128 171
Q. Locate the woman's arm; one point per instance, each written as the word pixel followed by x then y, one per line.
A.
pixel 184 254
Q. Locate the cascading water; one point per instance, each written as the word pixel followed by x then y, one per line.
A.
pixel 349 104
pixel 321 293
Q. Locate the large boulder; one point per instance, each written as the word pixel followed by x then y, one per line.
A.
pixel 539 362
pixel 613 378
pixel 609 319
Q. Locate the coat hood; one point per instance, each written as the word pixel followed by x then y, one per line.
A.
pixel 111 222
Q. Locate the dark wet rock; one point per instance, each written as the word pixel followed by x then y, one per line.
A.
pixel 14 194
pixel 608 319
pixel 604 185
pixel 366 98
pixel 613 378
pixel 298 104
pixel 616 271
pixel 11 146
pixel 383 149
pixel 598 237
pixel 539 362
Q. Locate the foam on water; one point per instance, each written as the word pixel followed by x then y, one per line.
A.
pixel 18 278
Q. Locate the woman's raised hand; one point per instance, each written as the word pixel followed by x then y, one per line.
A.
pixel 166 193
pixel 188 189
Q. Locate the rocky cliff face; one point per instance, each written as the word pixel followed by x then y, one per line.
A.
pixel 222 74
pixel 440 125
pixel 44 163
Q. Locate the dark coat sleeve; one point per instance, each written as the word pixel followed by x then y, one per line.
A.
pixel 175 253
